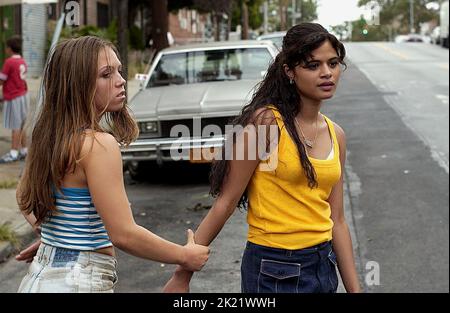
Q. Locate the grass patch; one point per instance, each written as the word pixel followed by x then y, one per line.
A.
pixel 8 184
pixel 7 234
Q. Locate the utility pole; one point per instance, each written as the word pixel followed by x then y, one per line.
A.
pixel 294 11
pixel 244 10
pixel 411 17
pixel 296 15
pixel 350 30
pixel 160 24
pixel 300 11
pixel 283 14
pixel 266 16
pixel 122 35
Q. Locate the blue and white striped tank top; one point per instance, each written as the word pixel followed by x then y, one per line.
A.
pixel 75 224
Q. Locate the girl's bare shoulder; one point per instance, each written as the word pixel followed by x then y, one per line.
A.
pixel 340 134
pixel 264 116
pixel 98 143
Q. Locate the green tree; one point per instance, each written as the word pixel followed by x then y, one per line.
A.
pixel 255 18
pixel 395 14
pixel 364 32
pixel 216 8
pixel 308 9
pixel 339 30
pixel 175 5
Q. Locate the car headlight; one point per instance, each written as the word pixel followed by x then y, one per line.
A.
pixel 148 127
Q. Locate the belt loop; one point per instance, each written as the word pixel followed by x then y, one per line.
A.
pixel 51 254
pixel 289 253
pixel 41 254
pixel 320 253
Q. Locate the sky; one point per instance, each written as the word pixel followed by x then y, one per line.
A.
pixel 334 12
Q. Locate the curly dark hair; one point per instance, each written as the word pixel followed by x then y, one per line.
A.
pixel 275 90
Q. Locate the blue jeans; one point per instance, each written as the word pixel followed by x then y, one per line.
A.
pixel 309 270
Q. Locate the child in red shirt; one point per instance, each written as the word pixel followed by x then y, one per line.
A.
pixel 15 109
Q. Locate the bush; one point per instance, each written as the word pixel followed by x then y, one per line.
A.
pixel 136 42
pixel 6 234
pixel 109 33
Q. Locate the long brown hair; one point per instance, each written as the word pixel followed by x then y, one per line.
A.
pixel 68 109
pixel 275 89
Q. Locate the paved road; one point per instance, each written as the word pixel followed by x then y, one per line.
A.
pixel 395 116
pixel 414 80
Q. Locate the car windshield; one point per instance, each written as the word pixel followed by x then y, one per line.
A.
pixel 277 40
pixel 211 65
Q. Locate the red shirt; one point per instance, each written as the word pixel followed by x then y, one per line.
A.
pixel 14 74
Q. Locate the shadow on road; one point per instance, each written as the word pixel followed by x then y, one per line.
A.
pixel 173 174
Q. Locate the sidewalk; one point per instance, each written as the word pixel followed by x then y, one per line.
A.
pixel 9 176
pixel 9 211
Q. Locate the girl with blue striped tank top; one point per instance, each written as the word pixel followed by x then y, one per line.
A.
pixel 72 188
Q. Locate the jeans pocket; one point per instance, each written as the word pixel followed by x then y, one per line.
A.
pixel 56 280
pixel 333 275
pixel 103 280
pixel 278 277
pixel 332 257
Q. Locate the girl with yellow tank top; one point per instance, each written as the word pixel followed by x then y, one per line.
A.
pixel 294 192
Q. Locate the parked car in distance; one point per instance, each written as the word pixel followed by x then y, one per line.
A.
pixel 189 95
pixel 409 38
pixel 276 38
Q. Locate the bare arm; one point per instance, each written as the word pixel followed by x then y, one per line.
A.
pixel 234 186
pixel 224 206
pixel 103 169
pixel 28 253
pixel 30 218
pixel 4 73
pixel 342 242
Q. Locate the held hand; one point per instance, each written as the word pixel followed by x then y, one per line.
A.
pixel 176 284
pixel 28 254
pixel 195 256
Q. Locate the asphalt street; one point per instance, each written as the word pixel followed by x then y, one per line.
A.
pixel 397 138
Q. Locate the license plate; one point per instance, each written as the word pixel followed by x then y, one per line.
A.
pixel 202 155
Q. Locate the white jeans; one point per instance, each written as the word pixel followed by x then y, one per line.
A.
pixel 69 271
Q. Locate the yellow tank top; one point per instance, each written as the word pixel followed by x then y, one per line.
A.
pixel 284 212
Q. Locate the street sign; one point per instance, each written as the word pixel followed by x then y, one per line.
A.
pixel 13 2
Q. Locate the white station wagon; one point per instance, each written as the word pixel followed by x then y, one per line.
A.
pixel 189 95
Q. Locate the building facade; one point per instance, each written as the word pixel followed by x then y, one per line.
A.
pixel 89 12
pixel 188 26
pixel 29 22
